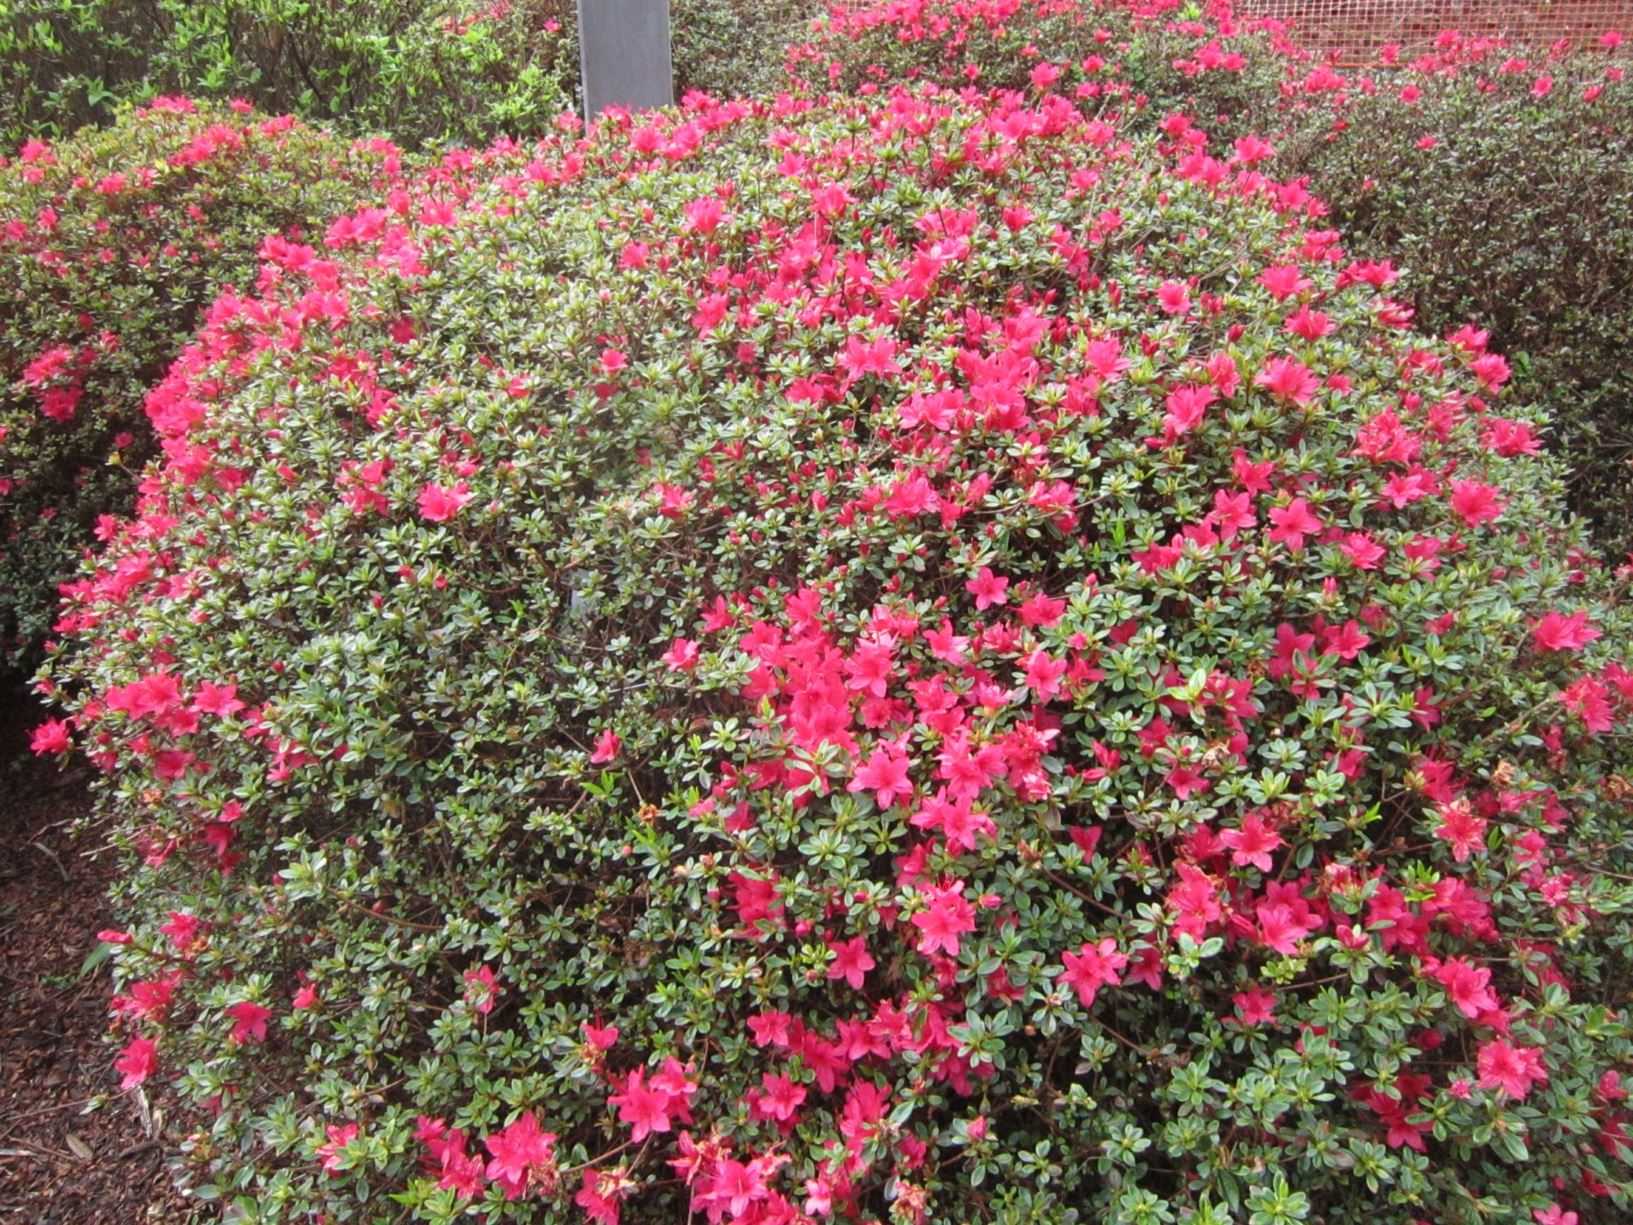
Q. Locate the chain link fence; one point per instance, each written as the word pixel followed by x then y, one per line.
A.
pixel 1357 31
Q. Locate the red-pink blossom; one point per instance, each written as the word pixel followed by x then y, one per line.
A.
pixel 1558 632
pixel 481 989
pixel 1288 379
pixel 50 737
pixel 988 589
pixel 1290 524
pixel 249 1021
pixel 338 1137
pixel 851 961
pixel 644 1108
pixel 1475 502
pixel 1512 1070
pixel 682 655
pixel 948 917
pixel 885 773
pixel 523 1158
pixel 1174 298
pixel 1253 842
pixel 1462 828
pixel 1093 966
pixel 138 1061
pixel 440 503
pixel 1254 1007
pixel 1467 986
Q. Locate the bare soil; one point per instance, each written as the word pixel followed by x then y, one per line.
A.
pixel 74 1150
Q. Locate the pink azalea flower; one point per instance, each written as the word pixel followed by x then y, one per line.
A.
pixel 1290 524
pixel 49 738
pixel 1462 828
pixel 1093 966
pixel 138 1061
pixel 1254 1007
pixel 1252 843
pixel 885 773
pixel 1468 986
pixel 1475 503
pixel 249 1021
pixel 606 749
pixel 643 1107
pixel 329 1153
pixel 481 989
pixel 1288 379
pixel 988 589
pixel 1555 632
pixel 438 504
pixel 523 1158
pixel 682 655
pixel 851 961
pixel 1511 1070
pixel 948 917
pixel 1174 298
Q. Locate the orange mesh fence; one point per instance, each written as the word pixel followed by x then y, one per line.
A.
pixel 1357 30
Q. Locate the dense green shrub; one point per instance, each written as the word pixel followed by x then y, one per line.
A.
pixel 1507 189
pixel 732 48
pixel 111 247
pixel 885 658
pixel 426 71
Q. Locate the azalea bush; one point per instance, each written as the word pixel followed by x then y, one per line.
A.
pixel 894 658
pixel 1426 163
pixel 1144 59
pixel 111 247
pixel 1432 167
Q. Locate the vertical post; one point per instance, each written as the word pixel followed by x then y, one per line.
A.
pixel 624 54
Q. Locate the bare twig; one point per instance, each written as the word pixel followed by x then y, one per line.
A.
pixel 52 856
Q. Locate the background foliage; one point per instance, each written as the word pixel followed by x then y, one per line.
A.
pixel 1514 210
pixel 113 245
pixel 424 71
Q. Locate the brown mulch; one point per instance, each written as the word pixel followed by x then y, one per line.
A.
pixel 74 1150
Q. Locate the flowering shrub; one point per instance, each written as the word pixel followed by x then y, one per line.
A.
pixel 1432 167
pixel 111 246
pixel 1143 59
pixel 884 658
pixel 1427 164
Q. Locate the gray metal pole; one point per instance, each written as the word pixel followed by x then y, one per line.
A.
pixel 624 54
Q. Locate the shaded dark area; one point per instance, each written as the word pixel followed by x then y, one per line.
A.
pixel 73 1149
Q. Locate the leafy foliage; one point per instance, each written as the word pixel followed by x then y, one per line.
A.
pixel 429 72
pixel 730 48
pixel 902 657
pixel 426 70
pixel 112 245
pixel 1441 171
